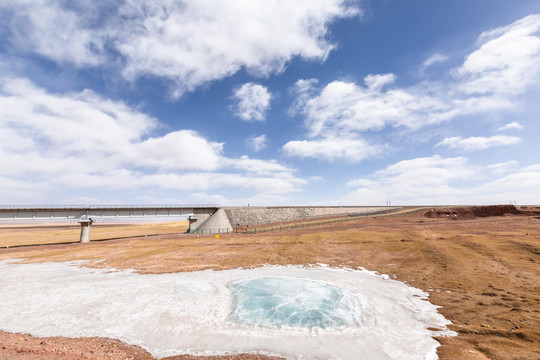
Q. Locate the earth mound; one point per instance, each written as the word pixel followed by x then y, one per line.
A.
pixel 471 212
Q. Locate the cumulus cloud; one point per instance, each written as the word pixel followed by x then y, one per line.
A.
pixel 187 42
pixel 66 128
pixel 521 186
pixel 437 180
pixel 344 107
pixel 511 126
pixel 252 102
pixel 507 61
pixel 257 143
pixel 505 64
pixel 421 181
pixel 183 149
pixel 478 142
pixel 81 140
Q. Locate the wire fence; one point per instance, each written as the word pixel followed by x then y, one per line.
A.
pixel 210 231
pixel 296 225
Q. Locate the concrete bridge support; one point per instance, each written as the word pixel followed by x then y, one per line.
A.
pixel 199 217
pixel 216 223
pixel 85 230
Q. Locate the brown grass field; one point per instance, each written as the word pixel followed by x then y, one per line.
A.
pixel 22 235
pixel 483 271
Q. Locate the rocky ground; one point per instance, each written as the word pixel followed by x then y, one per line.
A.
pixel 482 268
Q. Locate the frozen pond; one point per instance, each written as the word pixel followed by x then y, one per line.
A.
pixel 294 303
pixel 296 312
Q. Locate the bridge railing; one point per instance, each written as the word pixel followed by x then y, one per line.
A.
pixel 71 207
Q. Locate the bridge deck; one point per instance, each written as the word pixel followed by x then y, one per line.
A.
pixel 16 212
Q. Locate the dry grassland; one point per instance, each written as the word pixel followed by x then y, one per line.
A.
pixel 484 272
pixel 17 235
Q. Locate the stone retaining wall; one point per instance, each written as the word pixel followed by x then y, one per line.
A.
pixel 250 216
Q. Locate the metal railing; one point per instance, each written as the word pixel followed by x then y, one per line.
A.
pixel 93 207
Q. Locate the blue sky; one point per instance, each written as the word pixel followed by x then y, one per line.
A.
pixel 270 102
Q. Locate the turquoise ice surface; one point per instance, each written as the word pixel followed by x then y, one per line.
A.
pixel 291 302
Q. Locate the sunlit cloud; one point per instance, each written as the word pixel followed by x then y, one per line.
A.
pixel 437 180
pixel 251 102
pixel 492 78
pixel 478 142
pixel 511 126
pixel 81 140
pixel 188 43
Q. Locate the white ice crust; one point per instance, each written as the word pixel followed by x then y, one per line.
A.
pixel 193 313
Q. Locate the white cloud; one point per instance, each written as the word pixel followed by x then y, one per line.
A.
pixel 332 148
pixel 19 191
pixel 376 82
pixel 259 199
pixel 492 78
pixel 507 61
pixel 257 143
pixel 417 181
pixel 478 142
pixel 257 166
pixel 360 183
pixel 316 178
pixel 533 168
pixel 67 128
pixel 432 171
pixel 83 141
pixel 204 198
pixel 183 149
pixel 281 183
pixel 343 107
pixel 253 100
pixel 511 126
pixel 190 42
pixel 521 186
pixel 337 117
pixel 434 59
pixel 61 34
pixel 501 168
pixel 446 181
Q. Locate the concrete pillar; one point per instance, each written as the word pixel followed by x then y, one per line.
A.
pixel 85 229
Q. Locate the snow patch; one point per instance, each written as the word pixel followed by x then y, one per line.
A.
pixel 342 313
